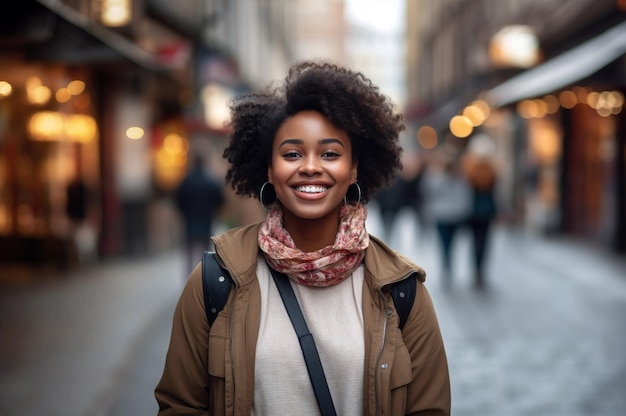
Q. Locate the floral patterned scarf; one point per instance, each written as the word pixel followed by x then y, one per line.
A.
pixel 325 267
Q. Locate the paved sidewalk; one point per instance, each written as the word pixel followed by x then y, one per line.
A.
pixel 68 343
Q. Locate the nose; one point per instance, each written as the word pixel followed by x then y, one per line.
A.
pixel 310 165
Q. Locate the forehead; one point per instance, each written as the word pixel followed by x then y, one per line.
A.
pixel 310 124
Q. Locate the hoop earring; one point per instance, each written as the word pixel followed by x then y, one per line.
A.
pixel 358 188
pixel 261 197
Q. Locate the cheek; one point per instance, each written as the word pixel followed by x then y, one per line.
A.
pixel 277 172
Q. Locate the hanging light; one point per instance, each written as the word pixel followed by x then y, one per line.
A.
pixel 116 13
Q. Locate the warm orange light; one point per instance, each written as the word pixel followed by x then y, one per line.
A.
pixel 5 89
pixel 80 128
pixel 5 219
pixel 474 114
pixel 552 104
pixel 46 126
pixel 76 87
pixel 461 126
pixel 427 137
pixel 542 108
pixel 527 109
pixel 62 95
pixel 55 126
pixel 174 143
pixel 568 99
pixel 39 95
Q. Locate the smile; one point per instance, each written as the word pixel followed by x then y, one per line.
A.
pixel 311 189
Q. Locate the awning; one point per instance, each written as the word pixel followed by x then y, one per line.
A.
pixel 563 70
pixel 115 42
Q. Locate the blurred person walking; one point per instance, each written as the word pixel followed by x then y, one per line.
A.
pixel 199 198
pixel 447 198
pixel 404 193
pixel 390 201
pixel 80 203
pixel 480 170
pixel 300 149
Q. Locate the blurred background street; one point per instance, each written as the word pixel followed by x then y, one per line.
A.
pixel 106 104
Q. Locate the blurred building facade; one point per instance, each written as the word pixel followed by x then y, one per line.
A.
pixel 546 80
pixel 375 46
pixel 115 95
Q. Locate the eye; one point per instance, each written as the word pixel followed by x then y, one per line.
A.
pixel 291 155
pixel 330 154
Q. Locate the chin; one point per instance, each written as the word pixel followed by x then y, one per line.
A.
pixel 312 213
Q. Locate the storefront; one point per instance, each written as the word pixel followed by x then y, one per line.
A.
pixel 78 108
pixel 574 137
pixel 50 140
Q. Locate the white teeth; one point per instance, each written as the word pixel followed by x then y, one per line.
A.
pixel 311 189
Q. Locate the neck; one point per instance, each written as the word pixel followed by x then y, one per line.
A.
pixel 312 235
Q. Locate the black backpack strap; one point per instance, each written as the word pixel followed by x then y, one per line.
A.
pixel 216 283
pixel 403 293
pixel 307 344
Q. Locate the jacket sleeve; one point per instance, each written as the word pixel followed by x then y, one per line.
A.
pixel 183 388
pixel 429 391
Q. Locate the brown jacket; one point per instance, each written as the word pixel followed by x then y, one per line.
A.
pixel 405 373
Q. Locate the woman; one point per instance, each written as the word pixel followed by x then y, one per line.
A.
pixel 313 151
pixel 480 170
pixel 449 200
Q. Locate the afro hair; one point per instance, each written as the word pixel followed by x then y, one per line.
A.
pixel 348 99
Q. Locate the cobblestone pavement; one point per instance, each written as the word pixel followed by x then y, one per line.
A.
pixel 546 338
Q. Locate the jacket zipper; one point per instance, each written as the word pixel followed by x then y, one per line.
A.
pixel 231 343
pixel 380 353
pixel 382 345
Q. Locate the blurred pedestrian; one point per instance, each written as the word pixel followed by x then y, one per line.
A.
pixel 480 170
pixel 80 202
pixel 390 201
pixel 404 193
pixel 447 196
pixel 313 151
pixel 413 172
pixel 199 198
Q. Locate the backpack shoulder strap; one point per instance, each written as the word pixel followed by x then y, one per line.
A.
pixel 403 293
pixel 216 283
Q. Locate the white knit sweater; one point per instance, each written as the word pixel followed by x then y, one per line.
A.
pixel 334 316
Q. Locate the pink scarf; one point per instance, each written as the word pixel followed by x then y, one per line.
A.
pixel 325 267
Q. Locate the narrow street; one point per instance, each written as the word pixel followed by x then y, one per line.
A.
pixel 546 338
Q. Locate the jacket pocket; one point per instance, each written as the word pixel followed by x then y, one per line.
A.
pixel 216 362
pixel 399 381
pixel 401 371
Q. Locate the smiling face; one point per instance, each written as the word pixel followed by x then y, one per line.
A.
pixel 311 168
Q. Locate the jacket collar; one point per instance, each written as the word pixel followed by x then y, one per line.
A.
pixel 238 251
pixel 386 266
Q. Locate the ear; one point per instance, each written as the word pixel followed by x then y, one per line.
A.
pixel 353 171
pixel 270 175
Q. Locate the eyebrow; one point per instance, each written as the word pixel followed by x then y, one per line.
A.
pixel 300 141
